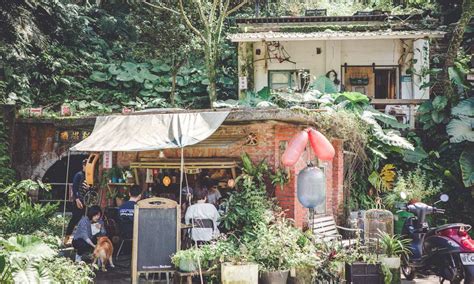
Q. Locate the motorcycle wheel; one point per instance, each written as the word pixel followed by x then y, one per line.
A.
pixel 408 272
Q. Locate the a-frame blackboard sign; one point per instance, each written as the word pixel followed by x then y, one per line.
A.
pixel 156 236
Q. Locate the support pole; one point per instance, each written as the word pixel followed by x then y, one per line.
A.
pixel 66 189
pixel 181 175
pixel 311 219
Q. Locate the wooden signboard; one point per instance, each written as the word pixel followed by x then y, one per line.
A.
pixel 156 236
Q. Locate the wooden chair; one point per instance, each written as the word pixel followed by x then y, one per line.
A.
pixel 325 230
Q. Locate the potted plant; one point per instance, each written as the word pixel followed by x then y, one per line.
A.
pixel 115 174
pixel 188 260
pixel 362 267
pixel 393 247
pixel 276 250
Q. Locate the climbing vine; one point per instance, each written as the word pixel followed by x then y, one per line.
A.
pixel 7 175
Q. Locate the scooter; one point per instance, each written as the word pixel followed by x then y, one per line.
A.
pixel 447 250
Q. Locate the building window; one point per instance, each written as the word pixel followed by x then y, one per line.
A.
pixel 284 80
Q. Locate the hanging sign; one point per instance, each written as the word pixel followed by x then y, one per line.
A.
pixel 66 110
pixel 107 158
pixel 36 111
pixel 243 83
pixel 127 110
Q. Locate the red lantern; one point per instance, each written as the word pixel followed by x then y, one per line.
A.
pixel 295 149
pixel 321 145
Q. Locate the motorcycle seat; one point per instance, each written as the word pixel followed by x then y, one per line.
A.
pixel 434 230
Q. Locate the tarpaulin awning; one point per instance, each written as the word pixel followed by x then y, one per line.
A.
pixel 147 132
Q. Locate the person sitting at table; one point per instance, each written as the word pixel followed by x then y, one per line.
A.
pixel 213 194
pixel 203 216
pixel 89 228
pixel 127 210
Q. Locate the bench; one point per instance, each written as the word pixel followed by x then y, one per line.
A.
pixel 325 230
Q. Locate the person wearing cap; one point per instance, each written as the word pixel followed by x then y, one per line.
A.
pixel 79 188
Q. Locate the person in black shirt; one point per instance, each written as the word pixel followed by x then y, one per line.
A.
pixel 126 212
pixel 79 188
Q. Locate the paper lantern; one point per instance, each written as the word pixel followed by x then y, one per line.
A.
pixel 311 187
pixel 295 149
pixel 321 145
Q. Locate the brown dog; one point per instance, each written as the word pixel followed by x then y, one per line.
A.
pixel 103 252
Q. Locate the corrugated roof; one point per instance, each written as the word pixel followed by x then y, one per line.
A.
pixel 325 19
pixel 332 35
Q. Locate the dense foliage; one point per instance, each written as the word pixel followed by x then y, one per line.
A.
pixel 100 60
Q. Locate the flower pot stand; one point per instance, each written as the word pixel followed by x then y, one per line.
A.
pixel 364 273
pixel 188 276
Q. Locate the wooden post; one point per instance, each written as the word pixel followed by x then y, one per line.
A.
pixel 135 246
pixel 412 116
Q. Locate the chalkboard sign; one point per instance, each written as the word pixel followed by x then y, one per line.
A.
pixel 156 235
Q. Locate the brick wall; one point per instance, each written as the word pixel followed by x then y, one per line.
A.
pixel 270 136
pixel 37 150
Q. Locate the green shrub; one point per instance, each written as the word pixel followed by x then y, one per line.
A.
pixel 63 270
pixel 25 219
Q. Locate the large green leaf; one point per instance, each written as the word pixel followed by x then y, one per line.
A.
pixel 457 77
pixel 114 69
pixel 99 76
pixel 464 107
pixel 26 247
pixel 425 107
pixel 415 156
pixel 438 116
pixel 324 85
pixel 460 129
pixel 440 102
pixel 466 162
pixel 353 97
pixel 390 120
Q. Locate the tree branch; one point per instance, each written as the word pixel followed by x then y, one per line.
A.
pixel 159 7
pixel 240 5
pixel 189 24
pixel 203 17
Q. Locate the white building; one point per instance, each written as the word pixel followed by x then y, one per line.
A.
pixel 386 61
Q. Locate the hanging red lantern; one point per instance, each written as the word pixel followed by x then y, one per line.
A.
pixel 321 145
pixel 295 149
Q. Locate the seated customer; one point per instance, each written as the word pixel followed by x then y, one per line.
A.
pixel 204 218
pixel 213 194
pixel 126 212
pixel 87 231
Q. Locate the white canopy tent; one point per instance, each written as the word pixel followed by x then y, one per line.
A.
pixel 148 132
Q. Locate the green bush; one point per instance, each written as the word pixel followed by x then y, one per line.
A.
pixel 26 218
pixel 63 270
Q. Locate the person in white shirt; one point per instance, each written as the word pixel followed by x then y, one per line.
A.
pixel 203 216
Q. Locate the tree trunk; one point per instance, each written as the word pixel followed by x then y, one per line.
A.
pixel 174 74
pixel 454 45
pixel 212 75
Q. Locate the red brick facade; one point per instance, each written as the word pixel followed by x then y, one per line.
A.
pixel 41 149
pixel 271 138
